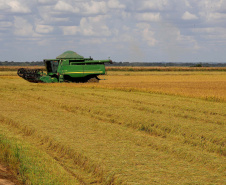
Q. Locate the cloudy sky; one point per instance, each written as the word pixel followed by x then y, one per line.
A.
pixel 124 30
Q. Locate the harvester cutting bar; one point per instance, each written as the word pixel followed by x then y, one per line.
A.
pixel 31 75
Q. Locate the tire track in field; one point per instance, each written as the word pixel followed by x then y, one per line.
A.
pixel 171 106
pixel 89 172
pixel 182 153
pixel 153 128
pixel 140 105
pixel 79 110
pixel 186 114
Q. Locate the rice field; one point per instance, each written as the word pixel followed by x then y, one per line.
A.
pixel 134 127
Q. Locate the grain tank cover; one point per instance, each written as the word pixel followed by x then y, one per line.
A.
pixel 70 55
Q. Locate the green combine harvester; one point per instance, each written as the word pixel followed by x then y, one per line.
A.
pixel 68 67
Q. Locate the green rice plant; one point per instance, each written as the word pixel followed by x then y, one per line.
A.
pixel 29 165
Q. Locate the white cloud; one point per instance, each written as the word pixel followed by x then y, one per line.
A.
pixel 3 5
pixel 162 26
pixel 95 7
pixel 17 7
pixel 174 43
pixel 43 28
pixel 90 26
pixel 188 16
pixel 23 28
pixel 48 16
pixel 187 3
pixel 5 24
pixel 148 16
pixel 86 28
pixel 115 4
pixel 148 36
pixel 154 5
pixel 213 17
pixel 93 41
pixel 210 5
pixel 217 16
pixel 213 33
pixel 94 26
pixel 125 15
pixel 212 11
pixel 47 1
pixel 65 7
pixel 70 30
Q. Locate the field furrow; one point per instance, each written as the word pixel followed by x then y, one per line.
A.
pixel 155 118
pixel 100 135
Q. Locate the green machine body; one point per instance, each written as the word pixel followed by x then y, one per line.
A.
pixel 68 67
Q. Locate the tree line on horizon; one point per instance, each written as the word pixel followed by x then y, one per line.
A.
pixel 131 64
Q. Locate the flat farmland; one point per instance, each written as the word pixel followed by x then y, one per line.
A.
pixel 134 127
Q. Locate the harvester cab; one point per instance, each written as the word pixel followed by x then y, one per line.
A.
pixel 68 67
pixel 51 65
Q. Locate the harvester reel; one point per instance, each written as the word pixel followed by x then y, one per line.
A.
pixel 31 75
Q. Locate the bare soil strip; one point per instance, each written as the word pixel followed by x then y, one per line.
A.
pixel 6 177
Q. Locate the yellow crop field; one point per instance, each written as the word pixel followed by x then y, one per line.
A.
pixel 133 127
pixel 206 85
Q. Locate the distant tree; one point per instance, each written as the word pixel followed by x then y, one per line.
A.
pixel 198 65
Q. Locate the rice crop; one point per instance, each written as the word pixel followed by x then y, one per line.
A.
pixel 204 85
pixel 134 127
pixel 134 68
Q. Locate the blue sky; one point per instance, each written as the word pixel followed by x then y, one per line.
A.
pixel 124 30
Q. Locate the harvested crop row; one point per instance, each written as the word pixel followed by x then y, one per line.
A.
pixel 125 136
pixel 112 128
